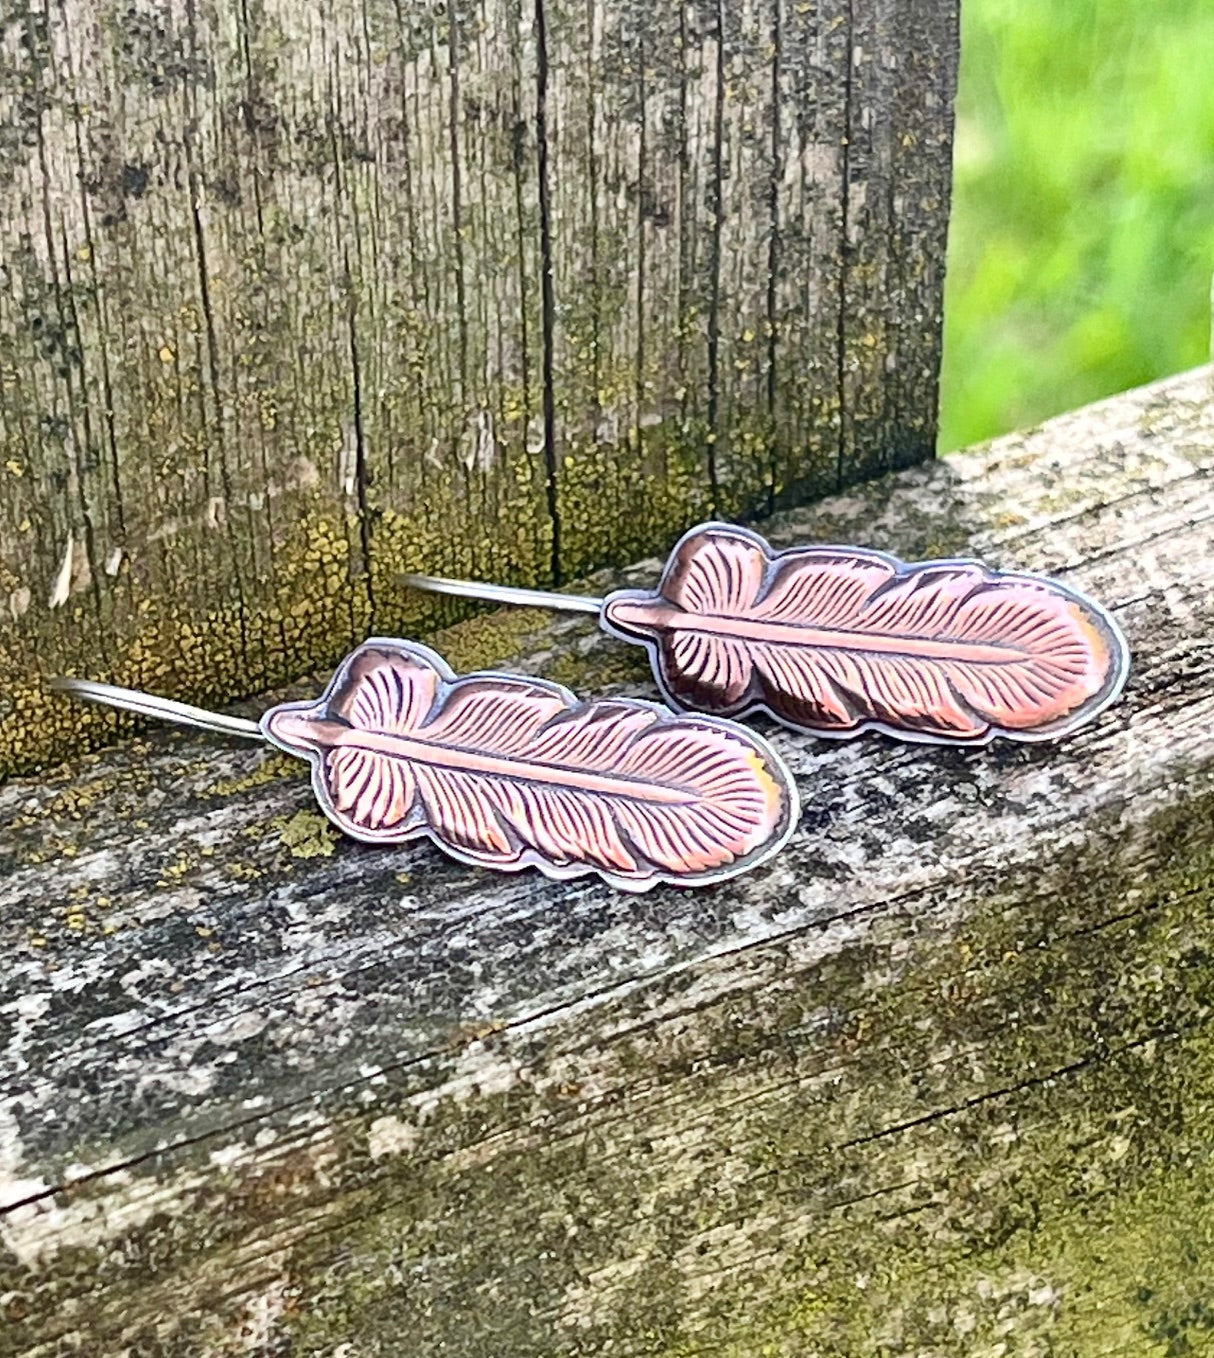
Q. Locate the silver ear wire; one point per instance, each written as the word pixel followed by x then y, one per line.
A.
pixel 148 705
pixel 503 594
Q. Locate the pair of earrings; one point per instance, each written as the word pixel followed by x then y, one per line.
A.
pixel 508 772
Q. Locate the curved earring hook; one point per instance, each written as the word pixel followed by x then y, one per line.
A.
pixel 503 594
pixel 148 705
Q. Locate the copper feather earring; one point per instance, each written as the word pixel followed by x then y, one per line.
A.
pixel 834 641
pixel 509 773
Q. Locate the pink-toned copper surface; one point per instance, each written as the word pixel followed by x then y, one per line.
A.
pixel 834 640
pixel 510 772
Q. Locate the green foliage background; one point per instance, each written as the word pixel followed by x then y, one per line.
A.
pixel 1082 237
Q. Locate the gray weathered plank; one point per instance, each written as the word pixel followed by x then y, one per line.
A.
pixel 273 322
pixel 939 1081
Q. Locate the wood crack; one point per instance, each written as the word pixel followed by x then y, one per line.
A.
pixel 547 294
pixel 773 255
pixel 717 208
pixel 362 474
pixel 844 251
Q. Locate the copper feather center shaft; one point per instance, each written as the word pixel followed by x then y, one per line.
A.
pixel 783 634
pixel 502 765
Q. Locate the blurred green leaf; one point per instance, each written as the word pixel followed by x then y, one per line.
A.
pixel 1082 236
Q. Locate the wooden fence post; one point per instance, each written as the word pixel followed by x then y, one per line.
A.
pixel 298 294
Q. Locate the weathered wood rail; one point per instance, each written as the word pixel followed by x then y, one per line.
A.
pixel 297 294
pixel 939 1081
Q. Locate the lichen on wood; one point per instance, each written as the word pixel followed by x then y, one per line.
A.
pixel 938 1080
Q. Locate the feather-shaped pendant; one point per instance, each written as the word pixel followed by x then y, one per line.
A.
pixel 838 640
pixel 509 773
pixel 834 641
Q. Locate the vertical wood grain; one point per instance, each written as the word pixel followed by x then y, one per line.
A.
pixel 298 295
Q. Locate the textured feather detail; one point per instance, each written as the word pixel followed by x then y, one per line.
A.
pixel 834 640
pixel 512 772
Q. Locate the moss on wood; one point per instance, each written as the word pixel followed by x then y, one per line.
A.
pixel 968 1132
